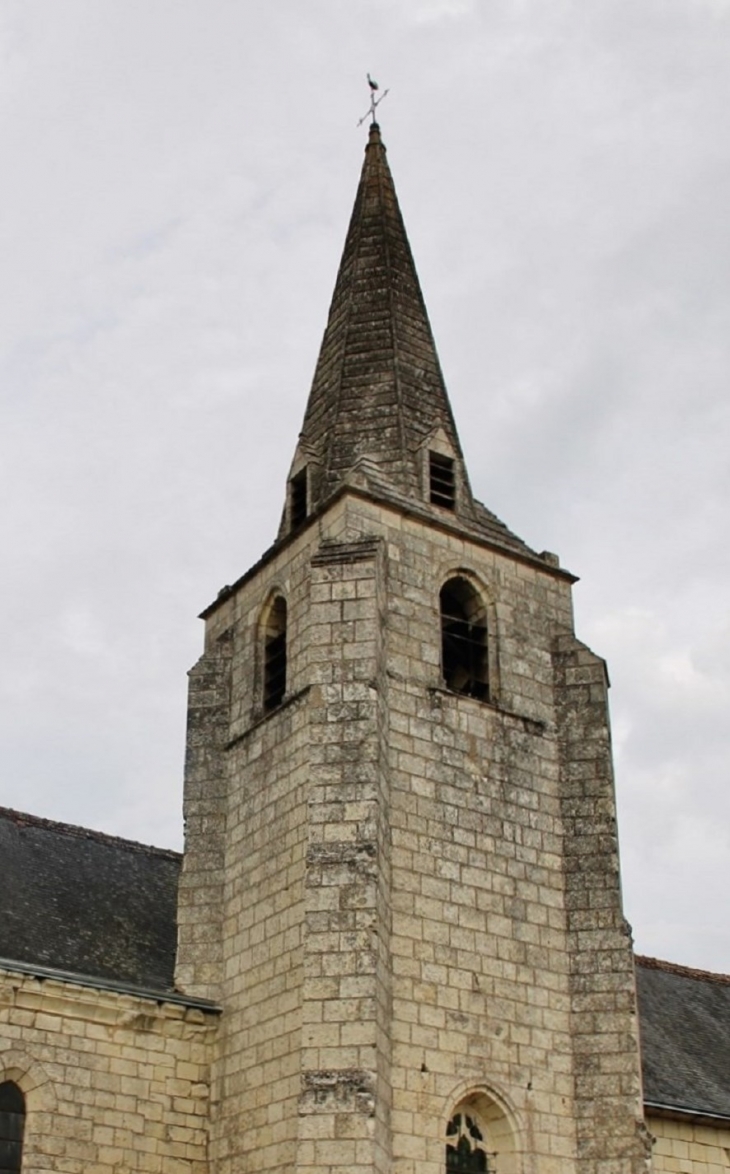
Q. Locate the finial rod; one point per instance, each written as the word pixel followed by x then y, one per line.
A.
pixel 374 102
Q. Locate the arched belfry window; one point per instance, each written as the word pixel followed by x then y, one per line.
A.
pixel 12 1123
pixel 464 661
pixel 274 653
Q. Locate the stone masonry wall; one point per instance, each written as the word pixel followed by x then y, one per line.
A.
pixel 245 847
pixel 112 1082
pixel 257 1077
pixel 478 944
pixel 686 1147
pixel 302 1054
pixel 345 1104
pixel 483 954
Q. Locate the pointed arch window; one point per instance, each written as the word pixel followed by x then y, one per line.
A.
pixel 12 1125
pixel 274 641
pixel 466 1151
pixel 464 660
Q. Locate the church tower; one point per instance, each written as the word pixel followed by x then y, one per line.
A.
pixel 401 877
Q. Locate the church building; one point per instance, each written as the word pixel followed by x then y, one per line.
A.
pixel 394 943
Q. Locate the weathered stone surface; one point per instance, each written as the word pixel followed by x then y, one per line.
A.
pixel 608 1104
pixel 340 1091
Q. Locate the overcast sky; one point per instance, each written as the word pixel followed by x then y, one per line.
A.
pixel 177 181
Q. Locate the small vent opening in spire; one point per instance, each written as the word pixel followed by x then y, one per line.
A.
pixel 298 503
pixel 442 481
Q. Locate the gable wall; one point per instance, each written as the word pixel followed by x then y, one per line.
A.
pixel 683 1147
pixel 112 1082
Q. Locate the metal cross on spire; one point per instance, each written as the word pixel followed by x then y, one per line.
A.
pixel 374 102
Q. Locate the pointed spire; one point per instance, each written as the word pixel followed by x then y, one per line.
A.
pixel 378 392
pixel 378 413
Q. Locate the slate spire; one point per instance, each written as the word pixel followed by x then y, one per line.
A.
pixel 378 414
pixel 378 392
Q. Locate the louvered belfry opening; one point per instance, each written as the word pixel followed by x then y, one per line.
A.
pixel 464 640
pixel 442 481
pixel 275 654
pixel 298 503
pixel 12 1123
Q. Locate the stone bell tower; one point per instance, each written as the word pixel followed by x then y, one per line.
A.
pixel 401 876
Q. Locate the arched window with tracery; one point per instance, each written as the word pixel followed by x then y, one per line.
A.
pixel 464 658
pixel 274 653
pixel 466 1147
pixel 480 1136
pixel 12 1124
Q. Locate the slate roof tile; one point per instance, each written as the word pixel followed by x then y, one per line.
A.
pixel 87 903
pixel 684 1018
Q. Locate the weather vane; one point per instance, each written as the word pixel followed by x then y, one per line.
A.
pixel 374 102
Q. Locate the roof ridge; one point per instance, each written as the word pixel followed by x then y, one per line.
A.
pixel 25 819
pixel 681 971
